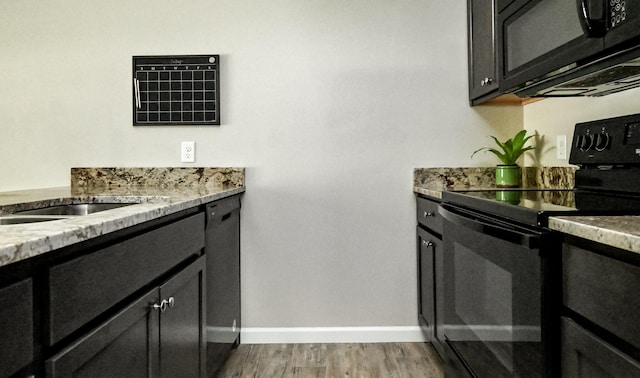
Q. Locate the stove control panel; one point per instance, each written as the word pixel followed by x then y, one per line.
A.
pixel 607 142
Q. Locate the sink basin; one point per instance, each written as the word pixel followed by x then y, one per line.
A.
pixel 21 219
pixel 74 209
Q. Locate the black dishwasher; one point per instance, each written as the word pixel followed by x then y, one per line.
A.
pixel 222 249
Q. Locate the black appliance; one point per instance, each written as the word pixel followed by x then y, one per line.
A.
pixel 569 48
pixel 501 263
pixel 222 235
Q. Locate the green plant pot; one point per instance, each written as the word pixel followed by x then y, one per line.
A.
pixel 508 176
pixel 509 196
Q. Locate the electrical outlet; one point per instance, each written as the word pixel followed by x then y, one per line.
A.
pixel 561 147
pixel 188 152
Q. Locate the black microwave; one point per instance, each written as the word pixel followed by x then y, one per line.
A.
pixel 569 47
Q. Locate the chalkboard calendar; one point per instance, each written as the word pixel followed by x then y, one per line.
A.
pixel 176 90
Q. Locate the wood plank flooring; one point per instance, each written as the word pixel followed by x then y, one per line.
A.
pixel 371 360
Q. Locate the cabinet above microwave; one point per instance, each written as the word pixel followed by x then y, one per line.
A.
pixel 554 48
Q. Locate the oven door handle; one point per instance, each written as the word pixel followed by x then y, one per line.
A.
pixel 525 238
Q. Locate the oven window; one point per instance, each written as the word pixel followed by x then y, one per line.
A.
pixel 492 318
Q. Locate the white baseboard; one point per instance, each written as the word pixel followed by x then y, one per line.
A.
pixel 305 335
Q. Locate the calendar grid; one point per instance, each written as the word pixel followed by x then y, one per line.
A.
pixel 176 90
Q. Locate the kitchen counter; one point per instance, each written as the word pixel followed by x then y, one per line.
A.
pixel 22 241
pixel 433 181
pixel 617 231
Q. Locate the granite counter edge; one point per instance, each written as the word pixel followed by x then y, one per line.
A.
pixel 20 243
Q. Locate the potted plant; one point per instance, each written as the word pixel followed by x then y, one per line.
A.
pixel 509 174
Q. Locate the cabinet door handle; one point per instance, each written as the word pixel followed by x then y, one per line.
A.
pixel 427 244
pixel 171 302
pixel 486 81
pixel 162 306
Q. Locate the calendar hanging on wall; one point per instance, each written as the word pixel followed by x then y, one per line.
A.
pixel 176 90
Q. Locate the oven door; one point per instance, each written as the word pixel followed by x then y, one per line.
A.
pixel 493 295
pixel 540 38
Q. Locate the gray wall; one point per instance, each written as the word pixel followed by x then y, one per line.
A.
pixel 329 104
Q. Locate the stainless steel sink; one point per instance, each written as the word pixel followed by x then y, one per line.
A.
pixel 21 219
pixel 74 209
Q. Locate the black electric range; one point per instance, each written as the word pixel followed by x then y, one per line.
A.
pixel 534 207
pixel 499 269
pixel 607 183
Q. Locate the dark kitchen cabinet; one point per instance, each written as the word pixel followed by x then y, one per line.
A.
pixel 124 346
pixel 484 54
pixel 115 271
pixel 482 45
pixel 131 303
pixel 182 324
pixel 599 334
pixel 427 244
pixel 223 280
pixel 16 326
pixel 159 334
pixel 586 355
pixel 429 263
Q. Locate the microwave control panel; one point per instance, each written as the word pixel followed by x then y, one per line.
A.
pixel 617 12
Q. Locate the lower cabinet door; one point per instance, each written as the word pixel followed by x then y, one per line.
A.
pixel 585 355
pixel 124 346
pixel 182 331
pixel 431 288
pixel 16 327
pixel 426 283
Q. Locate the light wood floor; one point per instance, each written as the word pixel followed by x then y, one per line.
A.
pixel 401 360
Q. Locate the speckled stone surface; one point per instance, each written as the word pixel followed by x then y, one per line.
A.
pixel 617 231
pixel 22 241
pixel 549 177
pixel 433 181
pixel 157 177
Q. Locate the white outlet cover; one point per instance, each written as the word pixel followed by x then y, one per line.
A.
pixel 561 147
pixel 188 152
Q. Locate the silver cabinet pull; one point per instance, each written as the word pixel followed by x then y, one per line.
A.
pixel 427 244
pixel 171 301
pixel 486 81
pixel 162 306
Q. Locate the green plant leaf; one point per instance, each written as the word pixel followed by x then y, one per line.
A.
pixel 511 149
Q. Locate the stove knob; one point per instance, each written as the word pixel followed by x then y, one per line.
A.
pixel 585 142
pixel 602 141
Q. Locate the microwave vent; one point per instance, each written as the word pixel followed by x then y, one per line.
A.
pixel 602 82
pixel 622 74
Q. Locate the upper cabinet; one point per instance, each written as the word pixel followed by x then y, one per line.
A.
pixel 484 78
pixel 483 69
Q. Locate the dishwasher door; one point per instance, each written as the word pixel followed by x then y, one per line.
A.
pixel 222 249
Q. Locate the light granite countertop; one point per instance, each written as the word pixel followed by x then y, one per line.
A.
pixel 433 181
pixel 23 241
pixel 617 231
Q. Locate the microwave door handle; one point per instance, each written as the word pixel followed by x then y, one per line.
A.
pixel 592 15
pixel 527 240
